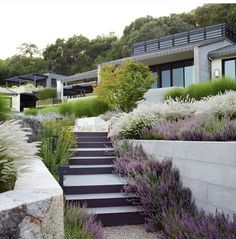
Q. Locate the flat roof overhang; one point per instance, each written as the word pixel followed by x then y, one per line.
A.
pixel 227 51
pixel 81 76
pixel 27 78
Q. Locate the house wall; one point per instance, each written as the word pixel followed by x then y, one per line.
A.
pixel 60 90
pixel 201 63
pixel 216 65
pixel 207 168
pixel 15 103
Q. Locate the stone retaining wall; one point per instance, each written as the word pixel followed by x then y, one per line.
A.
pixel 207 168
pixel 34 209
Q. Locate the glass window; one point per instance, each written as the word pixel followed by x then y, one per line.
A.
pixel 178 77
pixel 178 74
pixel 154 85
pixel 188 75
pixel 54 82
pixel 230 68
pixel 165 78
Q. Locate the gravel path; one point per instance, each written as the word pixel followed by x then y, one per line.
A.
pixel 129 232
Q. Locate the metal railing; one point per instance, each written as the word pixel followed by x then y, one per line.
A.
pixel 183 38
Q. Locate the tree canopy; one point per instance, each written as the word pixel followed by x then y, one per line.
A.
pixel 79 54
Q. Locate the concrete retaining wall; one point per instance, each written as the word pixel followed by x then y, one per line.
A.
pixel 207 168
pixel 34 209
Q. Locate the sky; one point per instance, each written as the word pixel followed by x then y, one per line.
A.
pixel 43 21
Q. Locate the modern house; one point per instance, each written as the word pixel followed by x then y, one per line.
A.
pixel 178 60
pixel 36 79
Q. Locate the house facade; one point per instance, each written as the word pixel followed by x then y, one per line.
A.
pixel 181 59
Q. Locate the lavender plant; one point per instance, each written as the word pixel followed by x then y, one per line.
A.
pixel 200 225
pixel 157 184
pixel 167 205
pixel 80 225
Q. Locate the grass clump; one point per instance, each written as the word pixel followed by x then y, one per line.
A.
pixel 31 111
pixel 57 138
pixel 203 89
pixel 83 108
pixel 15 153
pixel 89 107
pixel 4 108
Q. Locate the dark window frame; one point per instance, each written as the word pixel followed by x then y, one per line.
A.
pixel 223 65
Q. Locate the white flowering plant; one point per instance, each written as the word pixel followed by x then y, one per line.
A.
pixel 148 115
pixel 16 154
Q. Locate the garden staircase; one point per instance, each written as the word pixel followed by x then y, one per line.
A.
pixel 90 179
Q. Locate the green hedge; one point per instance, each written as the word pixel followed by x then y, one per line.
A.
pixel 203 89
pixel 48 93
pixel 83 108
pixel 87 107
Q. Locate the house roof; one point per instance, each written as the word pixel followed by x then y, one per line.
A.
pixel 223 52
pixel 34 77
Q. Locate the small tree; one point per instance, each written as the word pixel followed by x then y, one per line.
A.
pixel 122 86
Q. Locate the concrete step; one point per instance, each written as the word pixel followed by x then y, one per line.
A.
pixel 93 152
pixel 102 199
pixel 91 134
pixel 92 139
pixel 85 170
pixel 93 179
pixel 117 216
pixel 91 160
pixel 94 145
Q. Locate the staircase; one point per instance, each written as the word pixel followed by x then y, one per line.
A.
pixel 89 179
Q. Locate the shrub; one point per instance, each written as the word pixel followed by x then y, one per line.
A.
pixel 146 116
pixel 167 205
pixel 31 111
pixel 49 109
pixel 55 154
pixel 15 153
pixel 157 184
pixel 109 114
pixel 48 93
pixel 83 108
pixel 208 129
pixel 138 123
pixel 79 225
pixel 193 129
pixel 198 226
pixel 203 89
pixel 4 108
pixel 122 86
pixel 175 93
